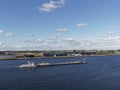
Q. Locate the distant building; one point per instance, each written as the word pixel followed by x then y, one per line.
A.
pixel 29 54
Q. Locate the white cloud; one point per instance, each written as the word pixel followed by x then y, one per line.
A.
pixel 56 42
pixel 31 35
pixel 116 26
pixel 54 37
pixel 88 42
pixel 85 39
pixel 82 25
pixel 39 40
pixel 9 34
pixel 102 45
pixel 62 30
pixel 62 1
pixel 1 32
pixel 48 7
pixel 1 44
pixel 110 33
pixel 31 40
pixel 70 39
pixel 58 35
pixel 45 44
pixel 110 38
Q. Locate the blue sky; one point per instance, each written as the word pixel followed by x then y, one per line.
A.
pixel 59 24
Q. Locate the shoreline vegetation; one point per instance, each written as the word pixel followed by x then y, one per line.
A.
pixel 19 55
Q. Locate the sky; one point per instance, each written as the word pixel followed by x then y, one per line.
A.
pixel 59 25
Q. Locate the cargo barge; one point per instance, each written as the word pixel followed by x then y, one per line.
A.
pixel 33 65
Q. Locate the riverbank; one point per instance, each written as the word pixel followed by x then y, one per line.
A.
pixel 6 55
pixel 28 58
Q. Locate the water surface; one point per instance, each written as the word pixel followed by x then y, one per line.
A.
pixel 100 73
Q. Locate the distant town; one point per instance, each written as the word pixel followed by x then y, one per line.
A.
pixel 7 55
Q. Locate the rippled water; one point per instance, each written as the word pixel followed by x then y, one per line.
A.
pixel 100 73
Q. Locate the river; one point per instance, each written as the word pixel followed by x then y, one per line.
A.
pixel 100 73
